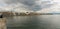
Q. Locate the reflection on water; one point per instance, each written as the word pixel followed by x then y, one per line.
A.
pixel 34 22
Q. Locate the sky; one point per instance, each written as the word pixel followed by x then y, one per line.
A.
pixel 53 8
pixel 35 5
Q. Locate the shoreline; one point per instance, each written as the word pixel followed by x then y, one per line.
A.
pixel 26 14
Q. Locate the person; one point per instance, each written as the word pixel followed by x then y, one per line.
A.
pixel 1 15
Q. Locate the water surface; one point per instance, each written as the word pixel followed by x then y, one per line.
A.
pixel 34 22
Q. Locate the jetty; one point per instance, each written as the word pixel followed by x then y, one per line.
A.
pixel 2 22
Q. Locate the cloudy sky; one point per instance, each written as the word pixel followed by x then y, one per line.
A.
pixel 35 5
pixel 30 4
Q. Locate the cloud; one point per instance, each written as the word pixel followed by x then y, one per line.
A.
pixel 31 4
pixel 34 5
pixel 54 8
pixel 25 2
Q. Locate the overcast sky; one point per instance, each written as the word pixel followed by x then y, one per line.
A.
pixel 31 4
pixel 34 5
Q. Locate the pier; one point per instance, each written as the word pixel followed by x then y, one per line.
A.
pixel 2 23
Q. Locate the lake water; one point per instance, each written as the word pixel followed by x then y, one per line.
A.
pixel 34 22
